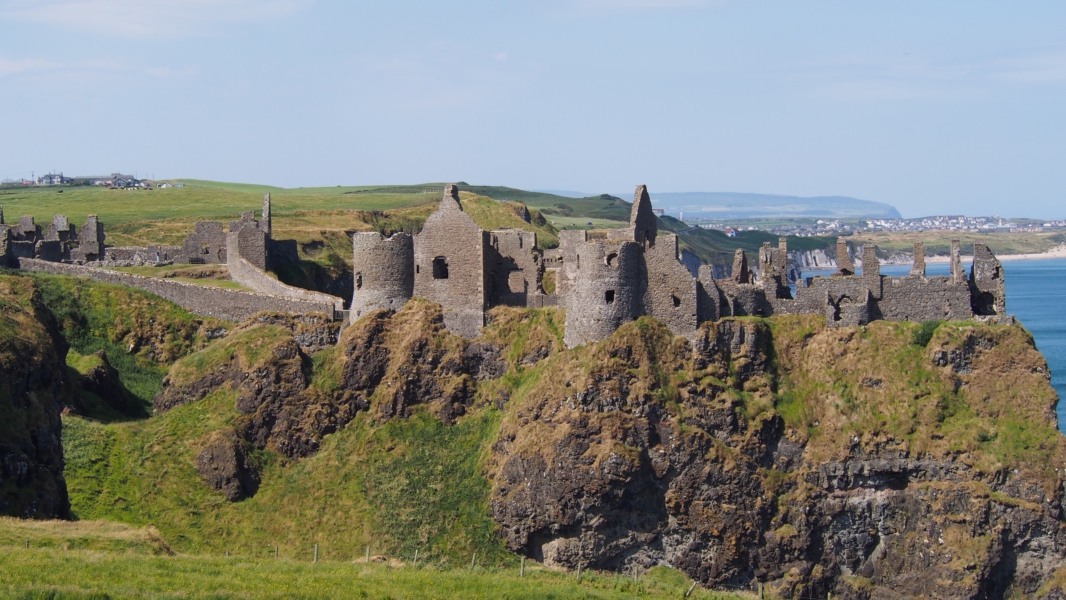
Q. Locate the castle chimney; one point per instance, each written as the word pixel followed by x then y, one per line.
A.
pixel 741 274
pixel 844 265
pixel 957 272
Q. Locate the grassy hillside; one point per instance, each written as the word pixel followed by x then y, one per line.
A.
pixel 715 247
pixel 939 242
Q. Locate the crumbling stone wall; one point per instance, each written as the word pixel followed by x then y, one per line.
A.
pixel 515 270
pixel 231 305
pixel 247 235
pixel 671 290
pixel 143 254
pixel 988 290
pixel 450 256
pixel 384 272
pixel 206 244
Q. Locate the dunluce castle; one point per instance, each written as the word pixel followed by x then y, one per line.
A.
pixel 606 278
pixel 602 279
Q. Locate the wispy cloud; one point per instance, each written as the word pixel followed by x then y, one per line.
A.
pixel 147 18
pixel 86 68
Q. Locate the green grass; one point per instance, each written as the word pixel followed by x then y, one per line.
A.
pixel 55 573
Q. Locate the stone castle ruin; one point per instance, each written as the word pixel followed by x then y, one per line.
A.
pixel 602 278
pixel 607 278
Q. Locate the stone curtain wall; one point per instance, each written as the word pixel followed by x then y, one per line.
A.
pixel 231 305
pixel 248 275
pixel 145 254
pixel 384 272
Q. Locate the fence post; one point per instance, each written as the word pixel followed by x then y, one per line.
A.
pixel 522 569
pixel 472 561
pixel 316 553
pixel 368 555
pixel 692 587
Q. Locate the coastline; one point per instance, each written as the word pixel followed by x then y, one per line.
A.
pixel 1056 252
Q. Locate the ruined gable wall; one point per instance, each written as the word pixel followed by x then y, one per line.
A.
pixel 606 290
pixel 384 272
pixel 670 293
pixel 515 269
pixel 231 305
pixel 642 220
pixel 206 243
pixel 452 236
pixel 251 276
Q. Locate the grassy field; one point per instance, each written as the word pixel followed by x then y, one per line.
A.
pixel 98 559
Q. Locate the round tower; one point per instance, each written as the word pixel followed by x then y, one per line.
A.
pixel 605 292
pixel 384 272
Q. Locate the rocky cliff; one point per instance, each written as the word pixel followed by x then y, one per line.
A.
pixel 32 372
pixel 889 461
pixel 857 462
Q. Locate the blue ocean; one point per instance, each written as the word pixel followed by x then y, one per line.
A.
pixel 1036 291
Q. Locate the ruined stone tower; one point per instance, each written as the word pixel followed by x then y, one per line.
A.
pixel 603 289
pixel 384 272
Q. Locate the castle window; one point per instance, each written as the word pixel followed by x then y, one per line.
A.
pixel 610 259
pixel 417 270
pixel 677 301
pixel 609 296
pixel 440 268
pixel 358 281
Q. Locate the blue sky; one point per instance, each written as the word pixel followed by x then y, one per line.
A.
pixel 945 107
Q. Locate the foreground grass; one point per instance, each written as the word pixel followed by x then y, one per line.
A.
pixel 99 559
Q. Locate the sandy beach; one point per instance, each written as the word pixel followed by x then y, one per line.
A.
pixel 1056 252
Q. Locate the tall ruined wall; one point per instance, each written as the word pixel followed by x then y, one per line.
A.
pixel 232 305
pixel 642 220
pixel 251 276
pixel 247 235
pixel 605 291
pixel 708 296
pixel 450 265
pixel 670 295
pixel 987 286
pixel 384 272
pixel 514 266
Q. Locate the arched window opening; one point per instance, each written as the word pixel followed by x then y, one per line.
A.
pixel 358 281
pixel 677 301
pixel 609 260
pixel 609 296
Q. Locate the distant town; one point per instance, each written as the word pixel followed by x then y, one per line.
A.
pixel 815 227
pixel 114 180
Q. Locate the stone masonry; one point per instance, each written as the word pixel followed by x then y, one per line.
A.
pixel 607 278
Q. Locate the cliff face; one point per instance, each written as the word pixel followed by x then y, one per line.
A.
pixel 32 369
pixel 857 462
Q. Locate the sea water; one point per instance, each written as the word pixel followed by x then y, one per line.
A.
pixel 1036 295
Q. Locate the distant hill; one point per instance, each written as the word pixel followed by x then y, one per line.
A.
pixel 733 205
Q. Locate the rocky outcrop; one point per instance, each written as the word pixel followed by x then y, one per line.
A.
pixel 795 456
pixel 32 370
pixel 225 467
